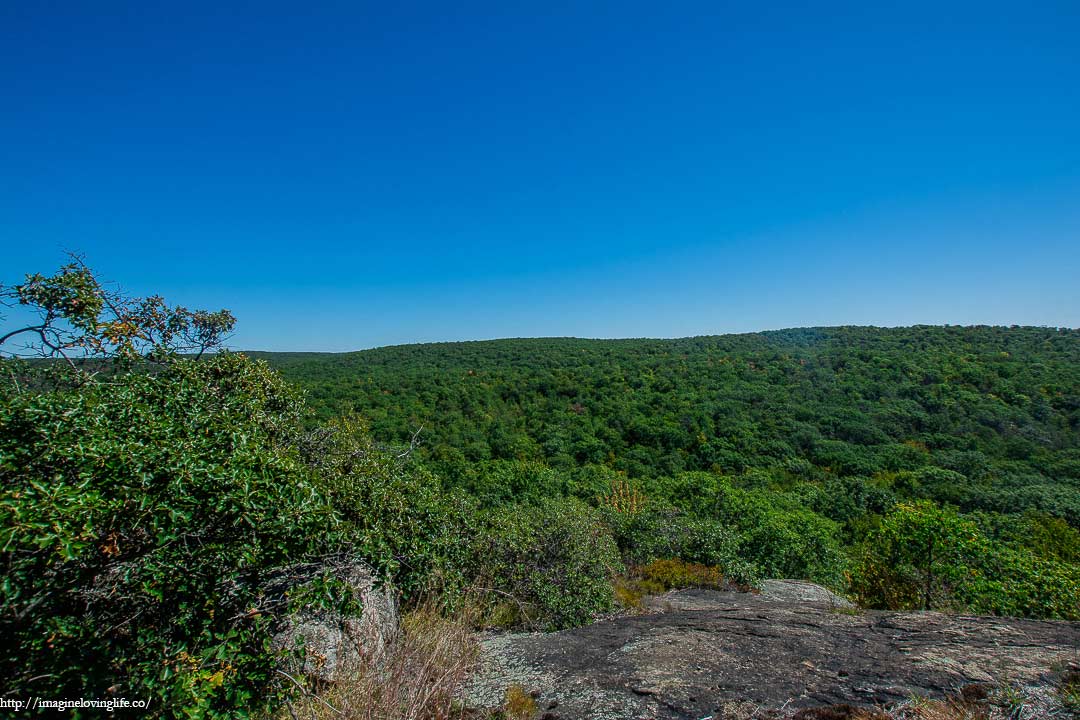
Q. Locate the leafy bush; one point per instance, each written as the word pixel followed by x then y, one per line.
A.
pixel 1012 582
pixel 505 482
pixel 657 531
pixel 557 559
pixel 393 512
pixel 752 524
pixel 673 574
pixel 1047 536
pixel 916 558
pixel 782 538
pixel 660 576
pixel 928 557
pixel 136 516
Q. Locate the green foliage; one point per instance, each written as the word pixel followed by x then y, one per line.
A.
pixel 917 557
pixel 852 502
pixel 79 318
pixel 556 559
pixel 999 406
pixel 790 446
pixel 1044 535
pixel 782 537
pixel 658 531
pixel 670 574
pixel 141 511
pixel 494 483
pixel 1007 581
pixel 135 518
pixel 660 576
pixel 923 556
pixel 393 512
pixel 773 530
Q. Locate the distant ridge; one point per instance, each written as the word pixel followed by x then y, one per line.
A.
pixel 778 331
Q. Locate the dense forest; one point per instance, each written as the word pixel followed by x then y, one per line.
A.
pixel 154 491
pixel 984 418
pixel 828 452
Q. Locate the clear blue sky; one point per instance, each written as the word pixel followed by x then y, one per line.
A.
pixel 345 175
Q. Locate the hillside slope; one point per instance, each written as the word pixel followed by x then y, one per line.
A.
pixel 912 468
pixel 999 406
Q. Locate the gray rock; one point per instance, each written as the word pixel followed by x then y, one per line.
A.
pixel 701 653
pixel 803 592
pixel 333 643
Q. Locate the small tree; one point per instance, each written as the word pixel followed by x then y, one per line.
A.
pixel 78 317
pixel 917 557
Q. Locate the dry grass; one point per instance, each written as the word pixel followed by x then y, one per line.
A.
pixel 660 576
pixel 992 702
pixel 943 710
pixel 418 678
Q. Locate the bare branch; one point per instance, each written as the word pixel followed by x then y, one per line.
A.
pixel 13 333
pixel 413 443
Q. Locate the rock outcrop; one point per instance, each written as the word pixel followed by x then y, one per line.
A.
pixel 793 646
pixel 332 642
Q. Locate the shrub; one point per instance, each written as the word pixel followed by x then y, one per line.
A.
pixel 394 513
pixel 556 559
pixel 1044 535
pixel 1007 581
pixel 136 517
pixel 915 558
pixel 928 557
pixel 630 592
pixel 496 483
pixel 674 574
pixel 781 538
pixel 660 576
pixel 769 532
pixel 658 531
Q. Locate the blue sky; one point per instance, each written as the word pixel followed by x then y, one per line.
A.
pixel 346 175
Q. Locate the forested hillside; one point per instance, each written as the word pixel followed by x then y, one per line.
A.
pixel 980 417
pixel 910 467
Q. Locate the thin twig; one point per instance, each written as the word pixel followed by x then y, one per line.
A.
pixel 307 692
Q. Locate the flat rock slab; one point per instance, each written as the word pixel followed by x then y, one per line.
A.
pixel 802 592
pixel 697 651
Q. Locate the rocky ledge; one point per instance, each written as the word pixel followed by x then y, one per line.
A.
pixel 699 654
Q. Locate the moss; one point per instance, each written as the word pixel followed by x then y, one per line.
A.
pixel 519 705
